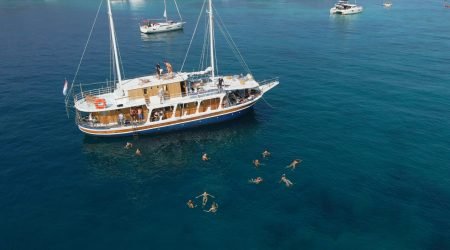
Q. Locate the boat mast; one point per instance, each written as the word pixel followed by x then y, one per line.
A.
pixel 211 39
pixel 165 10
pixel 113 38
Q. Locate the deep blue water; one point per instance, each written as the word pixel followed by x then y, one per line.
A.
pixel 364 100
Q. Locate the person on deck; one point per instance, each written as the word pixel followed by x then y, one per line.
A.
pixel 169 69
pixel 121 121
pixel 158 70
pixel 161 95
pixel 140 114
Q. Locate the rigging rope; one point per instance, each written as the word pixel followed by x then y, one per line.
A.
pixel 193 35
pixel 82 55
pixel 232 41
pixel 176 5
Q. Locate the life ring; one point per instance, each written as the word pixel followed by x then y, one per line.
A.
pixel 100 103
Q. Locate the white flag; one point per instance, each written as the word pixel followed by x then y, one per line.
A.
pixel 66 86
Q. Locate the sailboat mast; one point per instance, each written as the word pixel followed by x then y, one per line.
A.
pixel 165 10
pixel 211 39
pixel 113 38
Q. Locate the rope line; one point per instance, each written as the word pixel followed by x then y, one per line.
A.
pixel 193 35
pixel 82 55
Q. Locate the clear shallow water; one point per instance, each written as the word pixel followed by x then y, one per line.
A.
pixel 363 100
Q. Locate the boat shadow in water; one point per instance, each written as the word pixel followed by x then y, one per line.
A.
pixel 166 153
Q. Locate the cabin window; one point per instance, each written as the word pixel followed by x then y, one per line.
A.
pixel 210 104
pixel 145 91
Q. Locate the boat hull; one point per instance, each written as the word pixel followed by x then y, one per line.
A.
pixel 346 11
pixel 161 28
pixel 220 116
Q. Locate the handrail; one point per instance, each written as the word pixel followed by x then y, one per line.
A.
pixel 269 80
pixel 94 92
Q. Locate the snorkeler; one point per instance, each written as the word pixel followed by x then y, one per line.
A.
pixel 213 209
pixel 191 204
pixel 205 157
pixel 266 153
pixel 257 180
pixel 129 145
pixel 256 163
pixel 286 181
pixel 294 164
pixel 205 197
pixel 138 152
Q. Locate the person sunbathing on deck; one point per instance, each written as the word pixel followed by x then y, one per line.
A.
pixel 205 197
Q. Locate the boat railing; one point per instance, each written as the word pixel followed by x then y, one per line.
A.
pixel 93 92
pixel 269 81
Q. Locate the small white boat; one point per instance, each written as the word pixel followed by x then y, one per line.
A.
pixel 155 26
pixel 343 7
pixel 387 4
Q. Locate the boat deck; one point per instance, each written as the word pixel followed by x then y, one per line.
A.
pixel 115 98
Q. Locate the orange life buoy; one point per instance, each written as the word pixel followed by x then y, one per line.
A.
pixel 100 103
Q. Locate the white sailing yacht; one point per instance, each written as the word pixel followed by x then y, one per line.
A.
pixel 155 26
pixel 166 102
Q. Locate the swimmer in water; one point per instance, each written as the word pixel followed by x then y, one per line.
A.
pixel 191 204
pixel 205 157
pixel 266 153
pixel 257 180
pixel 205 198
pixel 286 181
pixel 256 163
pixel 213 209
pixel 129 145
pixel 294 164
pixel 138 152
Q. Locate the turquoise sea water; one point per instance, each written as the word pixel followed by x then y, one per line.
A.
pixel 364 100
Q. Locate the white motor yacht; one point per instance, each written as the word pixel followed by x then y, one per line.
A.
pixel 343 7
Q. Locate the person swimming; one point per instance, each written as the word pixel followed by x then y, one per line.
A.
pixel 138 152
pixel 256 163
pixel 286 181
pixel 257 180
pixel 205 198
pixel 213 209
pixel 129 145
pixel 191 204
pixel 266 153
pixel 294 164
pixel 205 157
